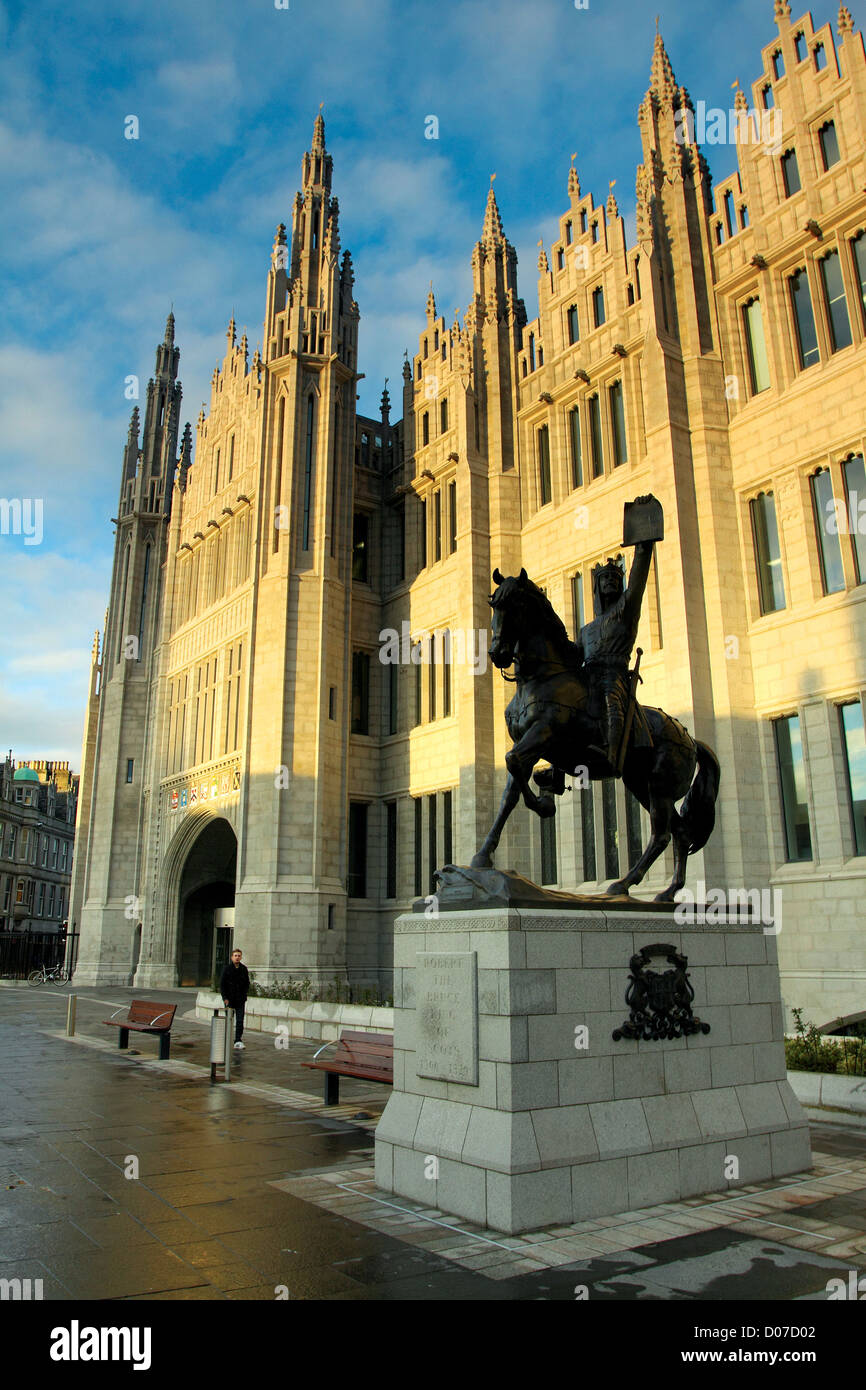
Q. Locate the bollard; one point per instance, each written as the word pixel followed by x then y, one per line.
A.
pixel 221 1034
pixel 70 1015
pixel 230 1034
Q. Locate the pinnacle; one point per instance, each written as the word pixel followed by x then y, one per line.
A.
pixel 662 80
pixel 318 145
pixel 431 303
pixel 845 23
pixel 169 330
pixel 492 230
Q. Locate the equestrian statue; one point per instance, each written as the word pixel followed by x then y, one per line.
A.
pixel 575 708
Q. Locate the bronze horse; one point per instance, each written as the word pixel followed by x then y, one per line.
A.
pixel 552 718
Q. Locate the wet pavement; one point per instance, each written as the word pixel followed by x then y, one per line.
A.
pixel 125 1178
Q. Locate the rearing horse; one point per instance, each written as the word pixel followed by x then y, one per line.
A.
pixel 551 718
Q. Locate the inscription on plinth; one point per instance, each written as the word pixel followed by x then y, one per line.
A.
pixel 447 1016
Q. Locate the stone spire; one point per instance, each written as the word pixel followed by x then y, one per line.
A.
pixel 492 233
pixel 185 456
pixel 231 333
pixel 612 208
pixel 169 330
pixel 543 265
pixel 573 180
pixel 431 304
pixel 385 405
pixel 663 84
pixel 318 145
pixel 845 23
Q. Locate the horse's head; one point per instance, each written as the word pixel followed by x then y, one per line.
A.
pixel 510 603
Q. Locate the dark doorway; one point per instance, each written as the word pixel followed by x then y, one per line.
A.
pixel 207 885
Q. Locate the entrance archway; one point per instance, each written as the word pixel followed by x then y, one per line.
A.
pixel 207 887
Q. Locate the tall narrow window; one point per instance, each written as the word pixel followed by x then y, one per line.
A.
pixel 577 603
pixel 130 769
pixel 393 696
pixel 357 884
pixel 278 479
pixel 216 471
pixel 419 845
pixel 231 458
pixel 446 673
pixel 360 546
pixel 854 474
pixel 587 834
pixel 790 173
pixel 807 338
pixel 576 448
pixel 583 221
pixel 595 437
pixel 360 693
pixel 729 212
pixel 431 843
pixel 121 612
pixel 568 233
pixel 792 779
pixel 548 849
pixel 423 533
pixel 532 352
pixel 617 419
pixel 768 101
pixel 819 54
pixel 827 531
pixel 390 849
pixel 598 306
pixel 447 829
pixel 829 142
pixel 778 64
pixel 144 584
pixel 308 468
pixel 544 492
pixel 452 517
pixel 854 739
pixel 800 46
pixel 759 367
pixel 834 298
pixel 443 416
pixel 425 427
pixel 768 555
pixel 437 525
pixel 431 676
pixel 611 835
pixel 573 325
pixel 595 232
pixel 858 250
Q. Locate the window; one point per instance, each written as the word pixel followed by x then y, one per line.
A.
pixel 598 306
pixel 51 891
pixel 560 259
pixel 447 831
pixel 617 417
pixel 596 449
pixel 548 849
pixel 790 173
pixel 577 603
pixel 532 352
pixel 360 693
pixel 854 740
pixel 332 702
pixel 858 250
pixel 827 531
pixel 216 471
pixel 437 525
pixel 425 427
pixel 443 416
pixel 357 884
pixel 130 769
pixel 595 231
pixel 611 836
pixel 587 834
pixel 792 781
pixel 804 319
pixel 854 475
pixel 390 849
pixel 583 220
pixel 568 233
pixel 393 696
pixel 819 53
pixel 231 458
pixel 452 517
pixel 800 46
pixel 360 547
pixel 729 211
pixel 576 450
pixel 767 98
pixel 446 673
pixel 778 64
pixel 308 468
pixel 423 533
pixel 756 347
pixel 418 683
pixel 40 910
pixel 834 298
pixel 544 492
pixel 419 847
pixel 431 842
pixel 829 142
pixel 573 325
pixel 431 676
pixel 768 557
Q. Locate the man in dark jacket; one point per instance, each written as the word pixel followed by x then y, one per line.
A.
pixel 234 988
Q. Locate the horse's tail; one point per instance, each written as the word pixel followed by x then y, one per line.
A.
pixel 698 811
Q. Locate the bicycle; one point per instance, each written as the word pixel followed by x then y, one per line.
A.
pixel 57 974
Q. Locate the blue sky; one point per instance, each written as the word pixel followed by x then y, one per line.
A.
pixel 99 235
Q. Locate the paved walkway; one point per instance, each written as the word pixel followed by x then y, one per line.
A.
pixel 254 1190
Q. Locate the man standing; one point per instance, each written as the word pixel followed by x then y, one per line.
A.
pixel 234 988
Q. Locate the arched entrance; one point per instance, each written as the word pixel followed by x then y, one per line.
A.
pixel 206 900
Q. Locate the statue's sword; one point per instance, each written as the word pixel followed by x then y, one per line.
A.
pixel 634 677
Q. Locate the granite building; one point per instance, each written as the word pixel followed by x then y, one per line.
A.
pixel 291 714
pixel 37 829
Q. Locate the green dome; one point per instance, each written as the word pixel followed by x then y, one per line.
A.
pixel 25 774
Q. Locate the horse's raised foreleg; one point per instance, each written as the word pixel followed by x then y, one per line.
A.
pixel 520 761
pixel 510 797
pixel 660 837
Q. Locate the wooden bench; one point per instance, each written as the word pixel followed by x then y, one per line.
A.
pixel 365 1056
pixel 143 1016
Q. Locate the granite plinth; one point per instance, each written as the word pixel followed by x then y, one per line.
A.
pixel 561 1122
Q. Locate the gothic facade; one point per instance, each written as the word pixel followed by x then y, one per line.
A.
pixel 291 710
